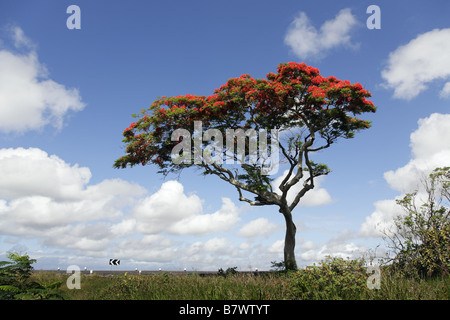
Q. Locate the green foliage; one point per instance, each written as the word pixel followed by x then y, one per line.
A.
pixel 333 278
pixel 18 269
pixel 283 266
pixel 229 271
pixel 278 266
pixel 15 282
pixel 317 169
pixel 422 239
pixel 254 180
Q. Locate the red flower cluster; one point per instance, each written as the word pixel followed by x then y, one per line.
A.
pixel 296 90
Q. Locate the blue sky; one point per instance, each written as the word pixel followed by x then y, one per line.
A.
pixel 67 95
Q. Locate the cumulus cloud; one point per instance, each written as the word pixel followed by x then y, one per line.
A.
pixel 32 171
pixel 216 245
pixel 29 99
pixel 258 228
pixel 342 250
pixel 315 197
pixel 307 245
pixel 430 149
pixel 47 199
pixel 150 248
pixel 277 247
pixel 380 222
pixel 413 66
pixel 445 92
pixel 343 246
pixel 42 197
pixel 165 207
pixel 306 41
pixel 202 224
pixel 171 210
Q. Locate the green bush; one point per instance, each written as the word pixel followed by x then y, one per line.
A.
pixel 333 278
pixel 229 271
pixel 421 242
pixel 15 282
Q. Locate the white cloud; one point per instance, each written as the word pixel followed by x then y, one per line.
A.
pixel 306 41
pixel 82 236
pixel 307 245
pixel 124 228
pixel 149 248
pixel 29 100
pixel 217 246
pixel 33 172
pixel 315 197
pixel 202 224
pixel 381 221
pixel 332 248
pixel 43 197
pixel 258 228
pixel 277 247
pixel 20 39
pixel 212 254
pixel 429 139
pixel 171 210
pixel 414 65
pixel 165 207
pixel 46 198
pixel 430 149
pixel 445 92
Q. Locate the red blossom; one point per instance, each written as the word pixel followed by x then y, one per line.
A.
pixel 245 101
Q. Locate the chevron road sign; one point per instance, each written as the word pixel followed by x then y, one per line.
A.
pixel 114 262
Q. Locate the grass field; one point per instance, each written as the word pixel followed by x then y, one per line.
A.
pixel 272 286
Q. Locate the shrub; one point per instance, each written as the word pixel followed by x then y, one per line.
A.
pixel 421 242
pixel 15 282
pixel 333 278
pixel 229 271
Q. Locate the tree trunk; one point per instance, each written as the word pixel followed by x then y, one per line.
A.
pixel 289 240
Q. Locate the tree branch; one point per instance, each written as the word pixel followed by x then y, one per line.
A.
pixel 263 197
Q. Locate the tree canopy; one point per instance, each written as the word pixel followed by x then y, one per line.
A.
pixel 296 96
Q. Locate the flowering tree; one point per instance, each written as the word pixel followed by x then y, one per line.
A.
pixel 309 112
